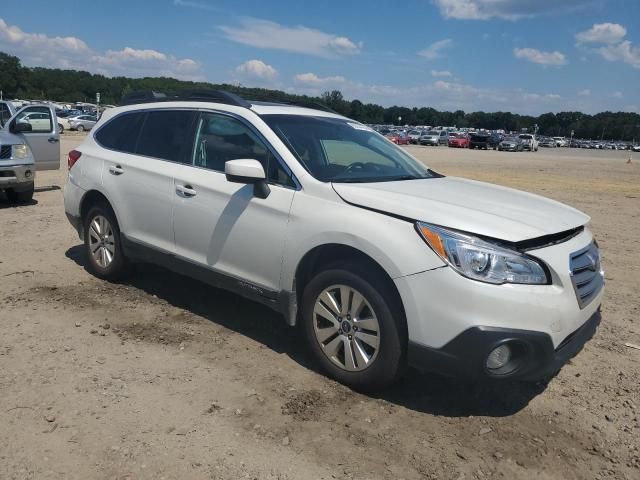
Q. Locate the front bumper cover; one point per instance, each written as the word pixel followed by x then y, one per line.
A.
pixel 14 175
pixel 465 356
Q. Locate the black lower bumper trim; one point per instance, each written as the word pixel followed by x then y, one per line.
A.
pixel 534 359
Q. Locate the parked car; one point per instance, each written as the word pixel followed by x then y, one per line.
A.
pixel 399 138
pixel 529 142
pixel 479 140
pixel 39 120
pixel 29 141
pixel 547 143
pixel 444 137
pixel 561 141
pixel 494 140
pixel 636 148
pixel 430 138
pixel 414 136
pixel 321 219
pixel 82 122
pixel 459 140
pixel 511 144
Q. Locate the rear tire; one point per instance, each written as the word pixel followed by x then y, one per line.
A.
pixel 363 348
pixel 103 245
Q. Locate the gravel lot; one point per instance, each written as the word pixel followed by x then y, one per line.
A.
pixel 164 377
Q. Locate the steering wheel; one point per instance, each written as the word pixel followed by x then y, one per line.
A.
pixel 353 166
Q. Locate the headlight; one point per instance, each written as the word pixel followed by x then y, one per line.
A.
pixel 20 151
pixel 480 260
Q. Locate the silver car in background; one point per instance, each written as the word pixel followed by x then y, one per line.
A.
pixel 82 122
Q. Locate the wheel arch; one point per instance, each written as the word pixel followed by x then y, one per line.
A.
pixel 91 198
pixel 337 254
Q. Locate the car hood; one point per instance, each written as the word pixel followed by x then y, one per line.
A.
pixel 7 138
pixel 466 205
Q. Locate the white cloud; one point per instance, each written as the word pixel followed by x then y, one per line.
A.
pixel 440 73
pixel 435 49
pixel 505 9
pixel 602 33
pixel 257 69
pixel 584 93
pixel 73 53
pixel 440 94
pixel 613 46
pixel 540 57
pixel 259 33
pixel 623 51
pixel 313 80
pixel 616 94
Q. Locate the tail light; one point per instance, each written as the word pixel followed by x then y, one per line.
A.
pixel 73 157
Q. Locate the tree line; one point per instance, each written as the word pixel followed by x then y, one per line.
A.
pixel 18 81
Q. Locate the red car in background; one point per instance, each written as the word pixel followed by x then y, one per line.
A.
pixel 458 140
pixel 399 138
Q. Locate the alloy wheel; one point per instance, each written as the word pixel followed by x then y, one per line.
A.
pixel 101 241
pixel 346 328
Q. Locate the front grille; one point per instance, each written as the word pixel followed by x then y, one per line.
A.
pixel 5 152
pixel 586 274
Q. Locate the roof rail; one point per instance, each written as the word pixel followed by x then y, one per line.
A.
pixel 313 105
pixel 202 95
pixel 294 103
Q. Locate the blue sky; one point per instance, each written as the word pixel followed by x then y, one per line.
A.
pixel 526 56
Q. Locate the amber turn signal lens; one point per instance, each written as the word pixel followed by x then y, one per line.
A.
pixel 433 239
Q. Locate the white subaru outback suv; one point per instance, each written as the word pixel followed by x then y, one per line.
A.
pixel 383 262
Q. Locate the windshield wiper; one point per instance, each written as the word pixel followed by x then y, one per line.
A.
pixel 376 179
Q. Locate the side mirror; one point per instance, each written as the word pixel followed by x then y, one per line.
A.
pixel 20 127
pixel 250 172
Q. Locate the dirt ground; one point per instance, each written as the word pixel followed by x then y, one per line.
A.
pixel 162 377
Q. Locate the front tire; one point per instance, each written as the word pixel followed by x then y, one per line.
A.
pixel 22 195
pixel 103 245
pixel 349 325
pixel 80 128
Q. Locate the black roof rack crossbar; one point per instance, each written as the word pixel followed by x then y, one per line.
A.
pixel 203 95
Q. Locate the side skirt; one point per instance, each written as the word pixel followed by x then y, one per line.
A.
pixel 280 301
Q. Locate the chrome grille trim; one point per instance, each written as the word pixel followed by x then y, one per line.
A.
pixel 586 274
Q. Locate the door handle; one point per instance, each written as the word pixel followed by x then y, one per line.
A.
pixel 186 190
pixel 116 170
pixel 53 140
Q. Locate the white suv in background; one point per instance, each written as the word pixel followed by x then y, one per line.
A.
pixel 383 262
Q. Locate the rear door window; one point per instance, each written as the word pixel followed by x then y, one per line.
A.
pixel 167 134
pixel 121 133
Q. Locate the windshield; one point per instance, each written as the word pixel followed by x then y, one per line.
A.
pixel 338 150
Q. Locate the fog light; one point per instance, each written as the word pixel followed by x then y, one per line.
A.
pixel 27 174
pixel 499 357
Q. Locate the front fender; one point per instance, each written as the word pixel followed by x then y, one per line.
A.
pixel 393 243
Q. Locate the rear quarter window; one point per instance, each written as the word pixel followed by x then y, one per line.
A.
pixel 121 133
